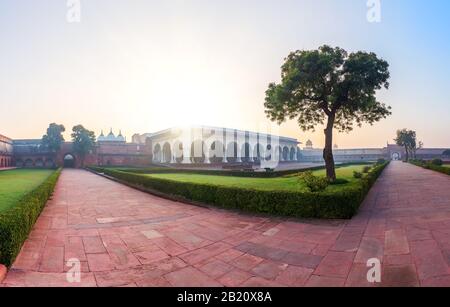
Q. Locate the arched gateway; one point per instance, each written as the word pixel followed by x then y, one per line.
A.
pixel 69 161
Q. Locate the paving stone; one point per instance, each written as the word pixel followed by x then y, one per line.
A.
pixel 93 245
pixel 294 276
pixel 335 264
pixel 190 277
pixel 246 262
pixel 262 251
pixel 325 281
pixel 235 278
pixel 303 260
pixel 124 237
pixel 370 248
pixel 100 262
pixel 52 260
pixel 269 269
pixel 396 243
pixel 216 268
pixel 400 276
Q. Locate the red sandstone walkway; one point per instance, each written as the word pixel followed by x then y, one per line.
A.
pixel 124 237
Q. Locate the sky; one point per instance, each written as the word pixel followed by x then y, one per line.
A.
pixel 143 66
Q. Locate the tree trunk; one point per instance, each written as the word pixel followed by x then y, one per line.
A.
pixel 328 151
pixel 407 153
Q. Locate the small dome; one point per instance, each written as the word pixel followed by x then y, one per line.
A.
pixel 111 137
pixel 120 137
pixel 101 137
pixel 309 143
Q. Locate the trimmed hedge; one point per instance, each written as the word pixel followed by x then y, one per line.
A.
pixel 431 166
pixel 17 222
pixel 328 205
pixel 167 170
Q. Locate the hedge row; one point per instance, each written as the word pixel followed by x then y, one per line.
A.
pixel 430 166
pixel 167 170
pixel 17 222
pixel 328 205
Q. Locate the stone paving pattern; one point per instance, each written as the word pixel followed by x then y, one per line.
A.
pixel 124 237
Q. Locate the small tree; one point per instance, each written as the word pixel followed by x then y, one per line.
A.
pixel 329 84
pixel 83 141
pixel 53 140
pixel 408 139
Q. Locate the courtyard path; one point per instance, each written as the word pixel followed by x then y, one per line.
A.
pixel 124 237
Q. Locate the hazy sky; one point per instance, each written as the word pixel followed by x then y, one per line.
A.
pixel 142 66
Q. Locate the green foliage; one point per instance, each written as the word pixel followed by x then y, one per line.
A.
pixel 381 161
pixel 357 175
pixel 408 139
pixel 267 174
pixel 343 203
pixel 17 222
pixel 437 162
pixel 83 141
pixel 329 85
pixel 431 166
pixel 314 183
pixel 53 139
pixel 366 169
pixel 15 184
pixel 339 181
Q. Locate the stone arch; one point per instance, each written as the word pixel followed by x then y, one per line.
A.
pixel 157 153
pixel 258 153
pixel 285 153
pixel 39 163
pixel 49 163
pixel 166 153
pixel 396 156
pixel 232 149
pixel 292 154
pixel 198 152
pixel 69 160
pixel 1 162
pixel 278 154
pixel 216 152
pixel 178 151
pixel 269 152
pixel 28 163
pixel 245 153
pixel 299 154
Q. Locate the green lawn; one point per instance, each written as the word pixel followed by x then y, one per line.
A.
pixel 287 183
pixel 14 184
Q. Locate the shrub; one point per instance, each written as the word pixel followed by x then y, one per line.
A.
pixel 315 184
pixel 381 161
pixel 357 175
pixel 17 222
pixel 339 181
pixel 342 204
pixel 269 172
pixel 366 169
pixel 431 166
pixel 437 162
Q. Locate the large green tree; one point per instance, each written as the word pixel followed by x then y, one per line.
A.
pixel 53 140
pixel 83 141
pixel 408 139
pixel 329 86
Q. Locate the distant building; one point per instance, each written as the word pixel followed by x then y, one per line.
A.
pixel 212 145
pixel 194 145
pixel 308 145
pixel 110 150
pixel 6 152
